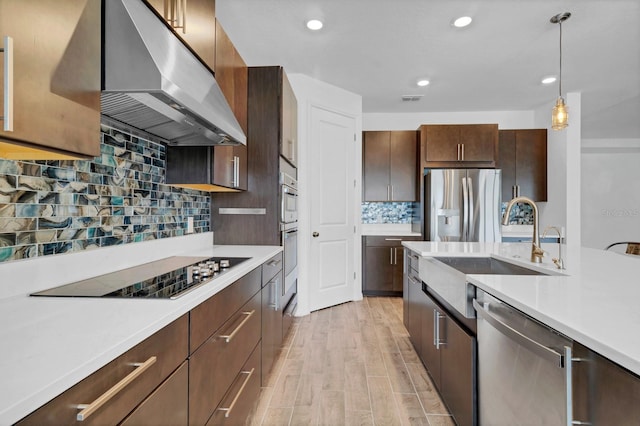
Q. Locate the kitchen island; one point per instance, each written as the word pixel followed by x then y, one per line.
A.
pixel 594 301
pixel 51 343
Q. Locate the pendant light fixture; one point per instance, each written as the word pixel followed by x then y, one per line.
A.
pixel 560 115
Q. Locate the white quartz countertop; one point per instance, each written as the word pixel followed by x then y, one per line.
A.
pixel 594 303
pixel 51 343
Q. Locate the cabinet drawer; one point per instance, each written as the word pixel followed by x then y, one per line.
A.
pixel 271 267
pixel 387 240
pixel 167 405
pixel 216 363
pixel 207 317
pixel 238 405
pixel 168 347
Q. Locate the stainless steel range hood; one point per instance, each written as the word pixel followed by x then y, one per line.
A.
pixel 153 82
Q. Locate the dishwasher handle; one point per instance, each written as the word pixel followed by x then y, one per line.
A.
pixel 543 351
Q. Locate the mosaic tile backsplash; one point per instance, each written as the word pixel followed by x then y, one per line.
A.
pixel 521 214
pixel 53 207
pixel 387 212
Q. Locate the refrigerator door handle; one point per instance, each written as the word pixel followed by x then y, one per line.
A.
pixel 471 212
pixel 465 211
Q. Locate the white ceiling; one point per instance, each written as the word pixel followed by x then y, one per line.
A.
pixel 379 48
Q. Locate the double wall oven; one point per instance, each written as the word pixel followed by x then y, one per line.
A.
pixel 289 229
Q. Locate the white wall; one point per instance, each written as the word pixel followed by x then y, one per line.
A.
pixel 310 92
pixel 411 121
pixel 610 191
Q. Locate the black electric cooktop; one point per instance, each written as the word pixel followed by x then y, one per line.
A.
pixel 168 278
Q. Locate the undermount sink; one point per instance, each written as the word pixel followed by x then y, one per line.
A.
pixel 486 265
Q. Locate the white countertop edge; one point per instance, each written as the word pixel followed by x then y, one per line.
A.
pixel 45 383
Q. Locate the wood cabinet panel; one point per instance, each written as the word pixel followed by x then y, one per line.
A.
pixel 57 78
pixel 403 165
pixel 376 152
pixel 272 331
pixel 289 140
pixel 383 264
pixel 169 346
pixel 245 391
pixel 432 319
pixel 207 317
pixel 264 165
pixel 457 371
pixel 197 30
pixel 231 75
pixel 523 160
pixel 459 145
pixel 166 406
pixel 215 365
pixel 390 165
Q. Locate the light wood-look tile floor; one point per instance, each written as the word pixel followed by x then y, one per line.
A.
pixel 351 364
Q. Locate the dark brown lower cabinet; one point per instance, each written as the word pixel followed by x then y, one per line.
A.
pixel 603 392
pixel 448 351
pixel 238 405
pixel 215 365
pixel 166 406
pixel 383 260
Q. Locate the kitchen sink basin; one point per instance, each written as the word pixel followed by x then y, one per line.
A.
pixel 486 265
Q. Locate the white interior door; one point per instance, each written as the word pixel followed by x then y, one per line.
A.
pixel 331 184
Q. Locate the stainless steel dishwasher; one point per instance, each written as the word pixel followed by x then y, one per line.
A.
pixel 524 368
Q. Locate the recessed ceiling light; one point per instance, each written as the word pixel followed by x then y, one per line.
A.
pixel 423 82
pixel 548 80
pixel 462 21
pixel 314 24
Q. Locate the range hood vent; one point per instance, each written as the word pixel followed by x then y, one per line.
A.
pixel 154 83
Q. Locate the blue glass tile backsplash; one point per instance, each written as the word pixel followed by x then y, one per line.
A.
pixel 62 206
pixel 387 212
pixel 521 214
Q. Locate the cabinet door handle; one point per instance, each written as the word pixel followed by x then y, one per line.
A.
pixel 438 341
pixel 391 256
pixel 8 84
pixel 175 13
pixel 458 153
pixel 89 409
pixel 461 152
pixel 391 199
pixel 228 409
pixel 228 337
pixel 388 192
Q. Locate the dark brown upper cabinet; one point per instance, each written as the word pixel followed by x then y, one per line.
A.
pixel 390 165
pixel 459 145
pixel 289 138
pixel 56 50
pixel 523 160
pixel 194 21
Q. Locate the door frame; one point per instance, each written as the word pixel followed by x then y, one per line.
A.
pixel 312 93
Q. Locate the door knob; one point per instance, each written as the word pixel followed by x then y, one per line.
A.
pixel 315 234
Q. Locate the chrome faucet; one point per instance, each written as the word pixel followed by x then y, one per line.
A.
pixel 536 251
pixel 559 261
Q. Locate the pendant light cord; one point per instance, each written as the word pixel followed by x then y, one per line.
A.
pixel 560 84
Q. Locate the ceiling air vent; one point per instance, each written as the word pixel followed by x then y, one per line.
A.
pixel 411 98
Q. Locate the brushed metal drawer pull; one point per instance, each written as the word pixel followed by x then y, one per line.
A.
pixel 274 262
pixel 8 84
pixel 89 409
pixel 235 399
pixel 230 336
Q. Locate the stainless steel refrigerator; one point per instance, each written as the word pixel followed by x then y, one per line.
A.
pixel 462 205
